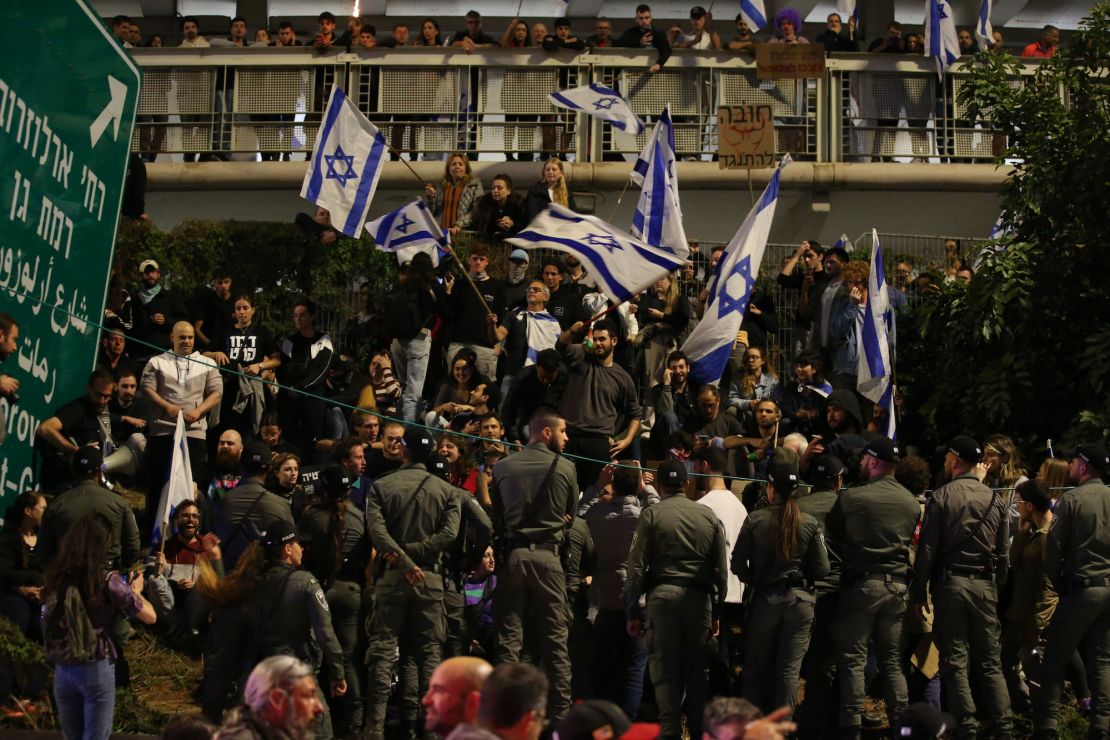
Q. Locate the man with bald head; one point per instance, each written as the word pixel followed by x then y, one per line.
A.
pixel 454 694
pixel 180 381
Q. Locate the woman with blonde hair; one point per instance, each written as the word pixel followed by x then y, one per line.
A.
pixel 551 188
pixel 452 200
pixel 1002 462
pixel 1054 472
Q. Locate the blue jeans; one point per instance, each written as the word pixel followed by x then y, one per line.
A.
pixel 620 662
pixel 86 697
pixel 410 365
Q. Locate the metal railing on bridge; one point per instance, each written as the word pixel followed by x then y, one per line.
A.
pixel 267 102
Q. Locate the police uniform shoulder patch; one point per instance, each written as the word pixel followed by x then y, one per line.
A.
pixel 321 600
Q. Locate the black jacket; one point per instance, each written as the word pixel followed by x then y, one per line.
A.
pixel 538 199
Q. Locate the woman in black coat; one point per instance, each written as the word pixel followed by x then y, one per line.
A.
pixel 500 212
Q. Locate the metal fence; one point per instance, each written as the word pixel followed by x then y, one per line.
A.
pixel 243 104
pixel 924 253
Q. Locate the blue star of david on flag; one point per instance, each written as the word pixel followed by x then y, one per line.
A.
pixel 406 222
pixel 346 159
pixel 605 241
pixel 734 293
pixel 604 104
pixel 940 10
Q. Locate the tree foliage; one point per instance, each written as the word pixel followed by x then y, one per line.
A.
pixel 1025 348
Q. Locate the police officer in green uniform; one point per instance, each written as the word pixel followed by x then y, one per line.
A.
pixel 962 555
pixel 290 615
pixel 90 496
pixel 679 559
pixel 412 517
pixel 781 554
pixel 1077 559
pixel 337 552
pixel 818 711
pixel 535 495
pixel 872 527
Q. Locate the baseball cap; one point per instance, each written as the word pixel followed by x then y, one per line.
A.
pixel 923 721
pixel 149 265
pixel 883 449
pixel 965 448
pixel 601 719
pixel 279 532
pixel 334 479
pixel 827 468
pixel 419 440
pixel 87 460
pixel 518 255
pixel 256 456
pixel 784 477
pixel 437 465
pixel 1092 453
pixel 671 473
pixel 697 12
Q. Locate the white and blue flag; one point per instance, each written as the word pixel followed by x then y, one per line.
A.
pixel 755 15
pixel 345 167
pixel 848 9
pixel 543 331
pixel 600 102
pixel 658 216
pixel 730 290
pixel 984 32
pixel 621 265
pixel 874 368
pixel 845 243
pixel 941 41
pixel 408 230
pixel 178 487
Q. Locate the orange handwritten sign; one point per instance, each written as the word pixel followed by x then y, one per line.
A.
pixel 745 137
pixel 789 61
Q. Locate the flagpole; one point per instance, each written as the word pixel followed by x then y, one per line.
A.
pixel 619 199
pixel 449 249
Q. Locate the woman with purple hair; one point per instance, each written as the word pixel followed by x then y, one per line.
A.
pixel 788 26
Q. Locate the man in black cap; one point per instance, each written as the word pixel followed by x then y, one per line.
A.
pixel 679 559
pixel 700 36
pixel 412 517
pixel 535 496
pixel 961 556
pixel 1077 559
pixel 90 497
pixel 872 527
pixel 819 667
pixel 246 509
pixel 290 615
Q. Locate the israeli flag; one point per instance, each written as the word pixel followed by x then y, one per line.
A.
pixel 848 9
pixel 710 343
pixel 621 265
pixel 600 102
pixel 543 331
pixel 344 171
pixel 178 487
pixel 984 32
pixel 941 41
pixel 658 216
pixel 845 243
pixel 755 15
pixel 874 368
pixel 408 230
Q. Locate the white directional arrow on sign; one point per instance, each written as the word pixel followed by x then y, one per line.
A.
pixel 111 113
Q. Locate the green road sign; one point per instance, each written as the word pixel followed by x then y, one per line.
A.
pixel 67 107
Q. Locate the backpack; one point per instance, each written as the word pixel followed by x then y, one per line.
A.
pixel 68 633
pixel 402 314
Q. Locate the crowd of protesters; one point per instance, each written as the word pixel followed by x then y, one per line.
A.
pixel 524 473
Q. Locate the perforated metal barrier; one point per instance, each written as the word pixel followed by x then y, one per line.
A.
pixel 268 103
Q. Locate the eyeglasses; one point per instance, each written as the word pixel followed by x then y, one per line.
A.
pixel 535 290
